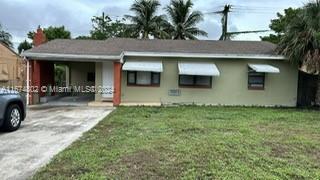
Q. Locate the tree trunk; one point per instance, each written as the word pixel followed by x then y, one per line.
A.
pixel 318 92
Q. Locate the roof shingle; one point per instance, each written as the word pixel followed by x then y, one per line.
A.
pixel 115 46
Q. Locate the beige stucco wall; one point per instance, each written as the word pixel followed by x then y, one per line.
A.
pixel 15 67
pixel 230 88
pixel 79 71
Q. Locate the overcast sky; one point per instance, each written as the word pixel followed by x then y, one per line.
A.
pixel 20 16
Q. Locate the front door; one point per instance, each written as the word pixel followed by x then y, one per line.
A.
pixel 107 79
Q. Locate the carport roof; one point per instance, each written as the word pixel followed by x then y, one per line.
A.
pixel 116 47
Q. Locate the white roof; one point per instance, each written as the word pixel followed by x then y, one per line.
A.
pixel 264 68
pixel 152 66
pixel 198 69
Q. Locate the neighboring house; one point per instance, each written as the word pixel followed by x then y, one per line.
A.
pixel 11 68
pixel 158 72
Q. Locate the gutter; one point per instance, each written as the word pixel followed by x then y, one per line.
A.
pixel 203 55
pixel 84 57
pixel 68 57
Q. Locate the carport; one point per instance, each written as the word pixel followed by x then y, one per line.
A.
pixel 89 72
pixel 70 80
pixel 78 81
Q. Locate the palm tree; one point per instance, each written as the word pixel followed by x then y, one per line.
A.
pixel 5 37
pixel 183 20
pixel 301 41
pixel 145 20
pixel 23 46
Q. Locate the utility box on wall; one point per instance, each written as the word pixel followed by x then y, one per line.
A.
pixel 174 92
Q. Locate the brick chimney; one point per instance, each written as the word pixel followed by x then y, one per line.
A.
pixel 41 71
pixel 39 37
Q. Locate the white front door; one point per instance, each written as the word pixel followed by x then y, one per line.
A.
pixel 107 79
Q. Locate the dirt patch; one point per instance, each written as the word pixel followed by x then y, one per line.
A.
pixel 287 151
pixel 278 150
pixel 142 165
pixel 267 127
pixel 315 154
pixel 194 130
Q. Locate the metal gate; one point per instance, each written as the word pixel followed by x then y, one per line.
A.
pixel 307 89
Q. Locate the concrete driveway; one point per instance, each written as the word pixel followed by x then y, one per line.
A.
pixel 44 133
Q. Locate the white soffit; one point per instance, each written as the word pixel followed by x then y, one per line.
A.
pixel 198 69
pixel 151 66
pixel 264 68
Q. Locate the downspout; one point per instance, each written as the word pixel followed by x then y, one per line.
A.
pixel 28 81
pixel 122 57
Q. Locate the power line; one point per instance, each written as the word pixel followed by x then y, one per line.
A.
pixel 248 9
pixel 226 35
pixel 253 12
pixel 252 9
pixel 258 7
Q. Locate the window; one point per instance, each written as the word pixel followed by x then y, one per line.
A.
pixel 91 77
pixel 195 81
pixel 141 78
pixel 256 80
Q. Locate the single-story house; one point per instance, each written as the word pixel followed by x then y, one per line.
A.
pixel 144 72
pixel 11 68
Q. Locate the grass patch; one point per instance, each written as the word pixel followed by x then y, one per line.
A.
pixel 195 142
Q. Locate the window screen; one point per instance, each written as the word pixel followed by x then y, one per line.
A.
pixel 256 80
pixel 195 81
pixel 143 78
pixel 131 78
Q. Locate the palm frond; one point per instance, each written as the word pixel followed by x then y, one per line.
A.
pixel 5 37
pixel 144 17
pixel 183 20
pixel 194 18
pixel 300 43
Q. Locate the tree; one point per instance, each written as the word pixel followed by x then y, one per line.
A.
pixel 25 45
pixel 60 75
pixel 83 37
pixel 53 33
pixel 145 21
pixel 279 25
pixel 104 28
pixel 301 40
pixel 183 20
pixel 5 37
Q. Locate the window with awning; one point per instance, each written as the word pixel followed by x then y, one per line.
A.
pixel 257 75
pixel 197 74
pixel 143 73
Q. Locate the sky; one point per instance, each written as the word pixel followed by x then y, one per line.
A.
pixel 21 16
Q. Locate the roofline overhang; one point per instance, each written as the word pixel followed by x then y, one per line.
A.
pixel 84 57
pixel 69 57
pixel 204 55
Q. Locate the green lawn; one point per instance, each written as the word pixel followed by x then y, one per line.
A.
pixel 195 142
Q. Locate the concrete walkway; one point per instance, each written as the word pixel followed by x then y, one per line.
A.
pixel 44 133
